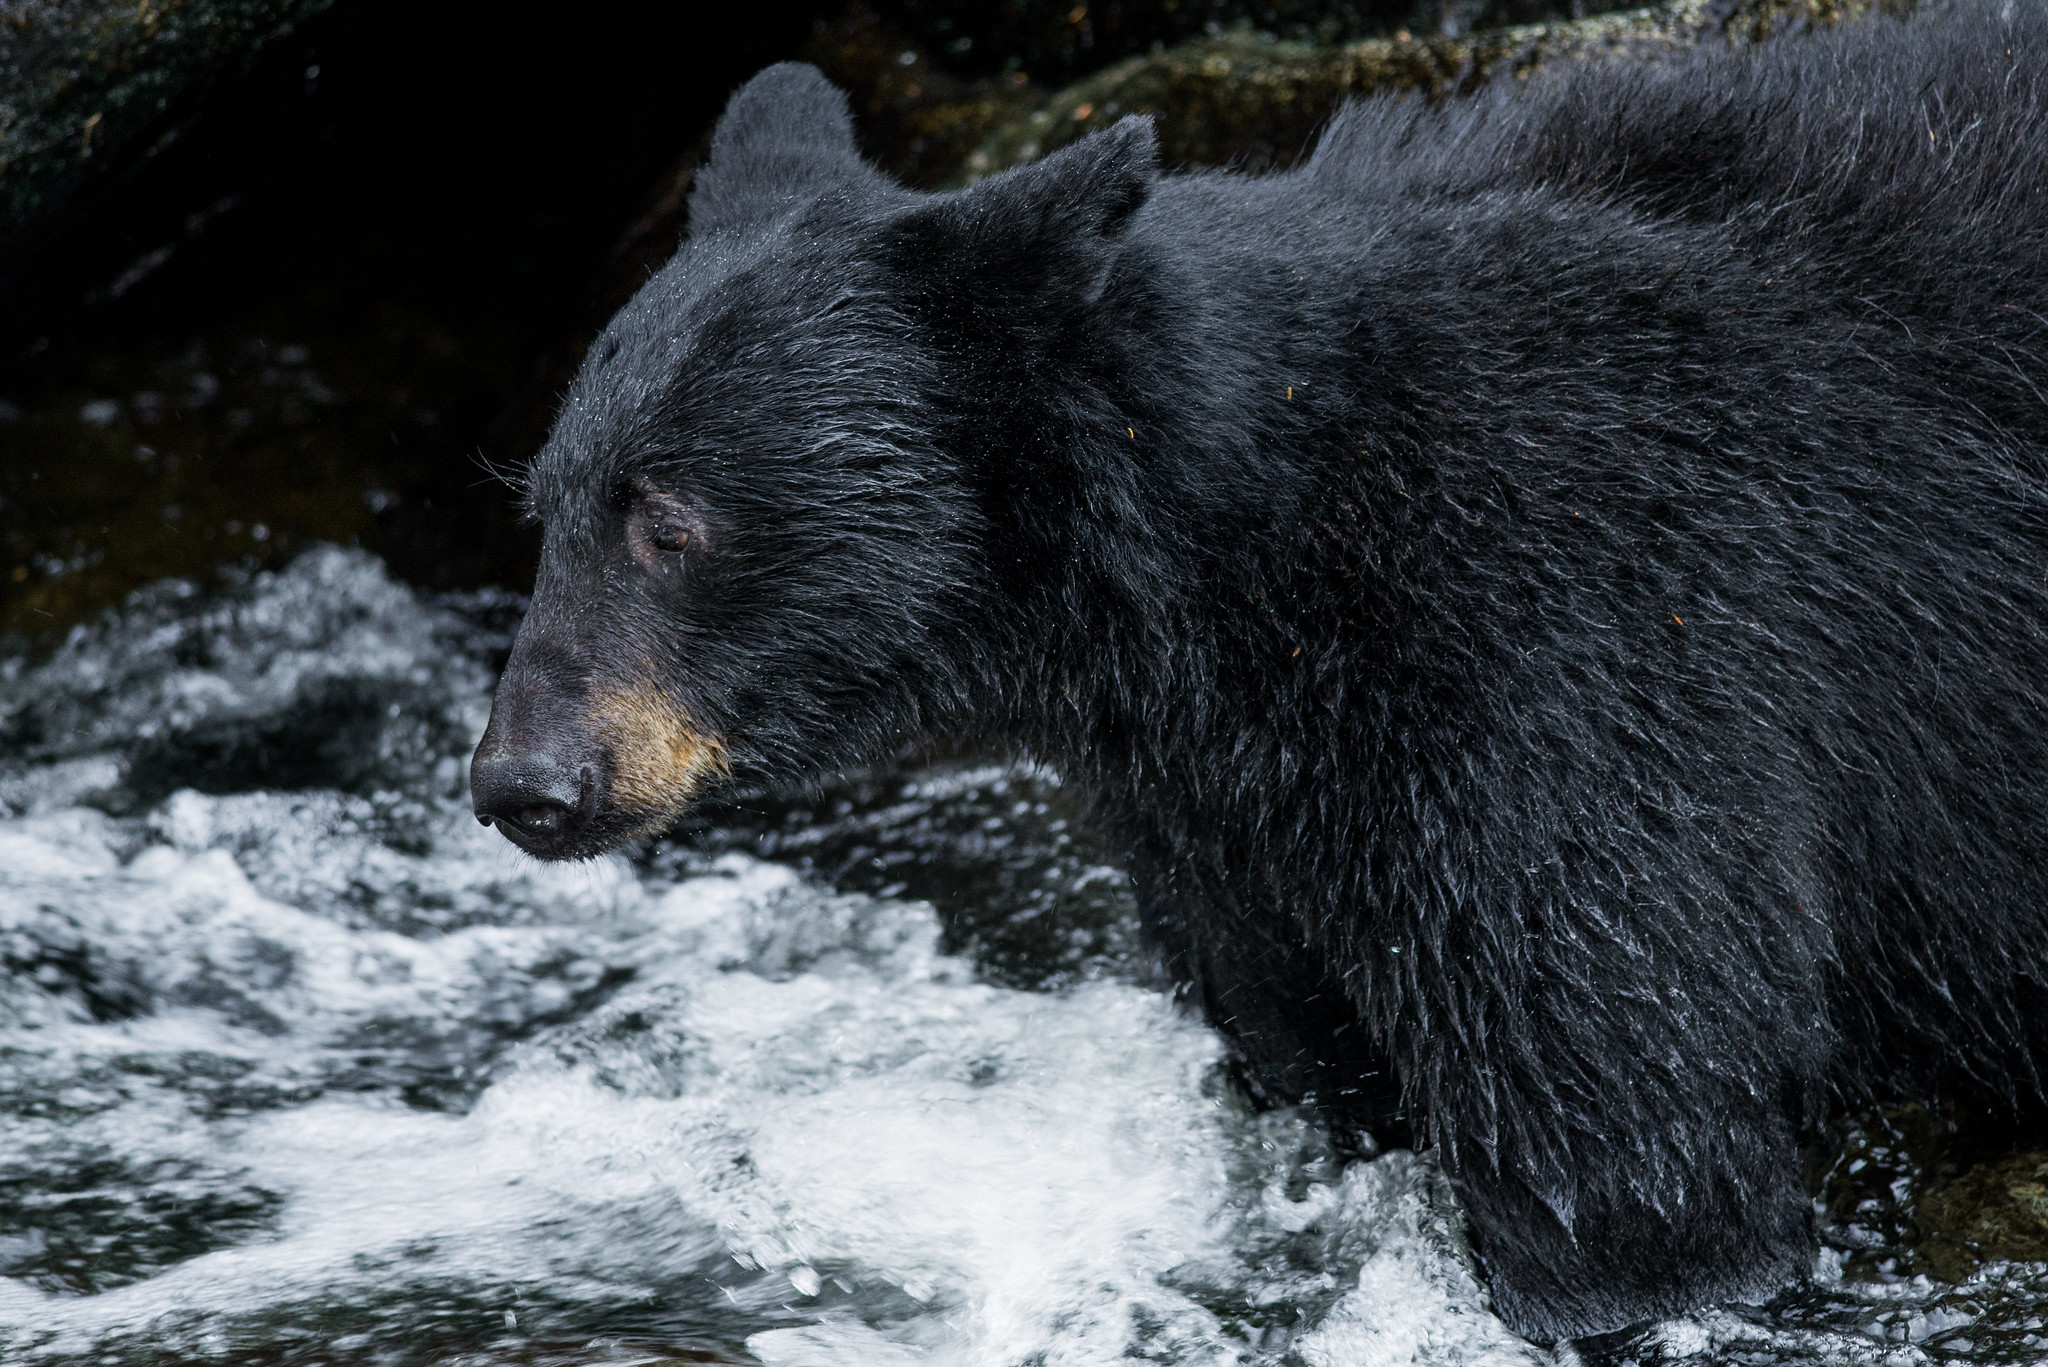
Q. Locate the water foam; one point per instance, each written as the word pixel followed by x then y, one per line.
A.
pixel 794 1092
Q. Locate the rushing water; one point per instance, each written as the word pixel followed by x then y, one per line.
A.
pixel 303 1066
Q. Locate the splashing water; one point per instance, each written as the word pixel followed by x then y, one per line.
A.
pixel 303 1066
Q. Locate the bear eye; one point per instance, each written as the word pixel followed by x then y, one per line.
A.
pixel 660 527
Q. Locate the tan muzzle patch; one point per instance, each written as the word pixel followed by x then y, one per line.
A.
pixel 659 759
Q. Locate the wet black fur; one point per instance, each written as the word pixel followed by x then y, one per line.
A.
pixel 1552 594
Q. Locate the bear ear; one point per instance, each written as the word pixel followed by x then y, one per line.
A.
pixel 1049 229
pixel 786 137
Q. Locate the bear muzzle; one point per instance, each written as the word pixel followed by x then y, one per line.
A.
pixel 623 763
pixel 660 760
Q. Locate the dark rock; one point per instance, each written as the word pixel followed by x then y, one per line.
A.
pixel 242 448
pixel 88 81
pixel 322 308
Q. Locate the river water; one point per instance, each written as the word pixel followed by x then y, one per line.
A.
pixel 301 1065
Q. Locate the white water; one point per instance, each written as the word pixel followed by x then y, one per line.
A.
pixel 337 1076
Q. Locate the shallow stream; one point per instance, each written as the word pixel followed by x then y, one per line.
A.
pixel 300 1065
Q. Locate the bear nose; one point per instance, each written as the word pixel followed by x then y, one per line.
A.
pixel 538 801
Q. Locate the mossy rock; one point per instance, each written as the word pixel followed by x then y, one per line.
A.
pixel 1908 1190
pixel 1992 1211
pixel 1063 40
pixel 1256 104
pixel 85 81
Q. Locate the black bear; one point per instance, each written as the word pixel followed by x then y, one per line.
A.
pixel 1551 594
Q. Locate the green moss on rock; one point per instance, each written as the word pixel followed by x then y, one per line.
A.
pixel 1909 1190
pixel 1987 1212
pixel 1063 40
pixel 1254 103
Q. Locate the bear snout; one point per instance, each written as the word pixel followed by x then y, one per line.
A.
pixel 538 774
pixel 568 775
pixel 539 801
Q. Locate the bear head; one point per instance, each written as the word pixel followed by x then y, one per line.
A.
pixel 772 503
